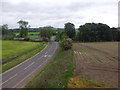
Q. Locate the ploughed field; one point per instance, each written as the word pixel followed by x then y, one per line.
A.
pixel 97 62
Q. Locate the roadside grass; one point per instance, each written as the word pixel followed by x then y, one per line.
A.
pixel 8 65
pixel 57 73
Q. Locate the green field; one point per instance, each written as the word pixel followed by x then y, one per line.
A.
pixel 12 48
pixel 32 36
pixel 31 33
pixel 22 49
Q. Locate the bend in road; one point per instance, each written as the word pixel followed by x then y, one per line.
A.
pixel 21 74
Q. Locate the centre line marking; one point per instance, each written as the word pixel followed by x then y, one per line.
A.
pixel 29 65
pixel 9 79
pixel 45 56
pixel 46 53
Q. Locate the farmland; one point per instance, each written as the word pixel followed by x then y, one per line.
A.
pixel 97 62
pixel 32 35
pixel 19 50
pixel 11 48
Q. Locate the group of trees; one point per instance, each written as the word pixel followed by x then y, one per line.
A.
pixel 46 32
pixel 90 32
pixel 97 32
pixel 23 25
pixel 6 33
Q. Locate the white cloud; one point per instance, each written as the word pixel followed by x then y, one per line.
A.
pixel 57 12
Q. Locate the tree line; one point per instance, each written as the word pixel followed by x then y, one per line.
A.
pixel 90 32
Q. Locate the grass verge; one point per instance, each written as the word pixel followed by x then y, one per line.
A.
pixel 57 73
pixel 18 60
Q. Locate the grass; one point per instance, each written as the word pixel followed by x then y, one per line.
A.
pixel 57 73
pixel 8 65
pixel 12 48
pixel 33 37
pixel 31 33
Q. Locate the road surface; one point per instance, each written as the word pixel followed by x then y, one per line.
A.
pixel 18 76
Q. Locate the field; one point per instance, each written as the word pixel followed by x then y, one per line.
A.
pixel 15 52
pixel 97 62
pixel 31 33
pixel 33 36
pixel 12 48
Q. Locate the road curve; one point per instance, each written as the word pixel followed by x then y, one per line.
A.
pixel 18 76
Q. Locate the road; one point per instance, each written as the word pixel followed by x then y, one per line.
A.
pixel 18 76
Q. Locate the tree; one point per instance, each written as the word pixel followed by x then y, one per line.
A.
pixel 115 34
pixel 94 32
pixel 70 30
pixel 23 28
pixel 6 33
pixel 46 32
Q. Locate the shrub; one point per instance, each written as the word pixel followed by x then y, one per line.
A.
pixel 66 44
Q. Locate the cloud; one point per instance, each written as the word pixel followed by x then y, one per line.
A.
pixel 57 12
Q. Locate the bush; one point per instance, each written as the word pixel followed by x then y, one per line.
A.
pixel 66 44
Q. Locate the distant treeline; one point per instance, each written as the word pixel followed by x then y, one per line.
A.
pixel 6 33
pixel 89 32
pixel 97 32
pixel 32 29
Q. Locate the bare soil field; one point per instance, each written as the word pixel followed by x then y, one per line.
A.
pixel 97 62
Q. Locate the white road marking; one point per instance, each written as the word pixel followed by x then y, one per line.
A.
pixel 29 65
pixel 45 55
pixel 75 52
pixel 49 55
pixel 9 79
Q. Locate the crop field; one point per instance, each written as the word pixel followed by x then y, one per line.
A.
pixel 12 48
pixel 97 62
pixel 32 35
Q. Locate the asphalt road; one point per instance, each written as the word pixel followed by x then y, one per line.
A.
pixel 18 76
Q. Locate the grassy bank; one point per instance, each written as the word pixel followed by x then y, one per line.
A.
pixel 57 73
pixel 12 48
pixel 37 47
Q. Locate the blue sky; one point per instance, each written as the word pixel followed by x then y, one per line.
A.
pixel 58 12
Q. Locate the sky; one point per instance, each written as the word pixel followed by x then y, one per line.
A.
pixel 56 13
